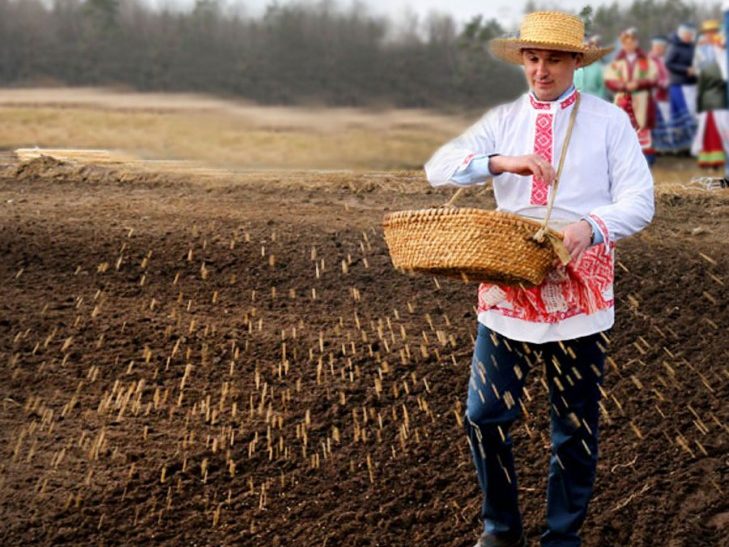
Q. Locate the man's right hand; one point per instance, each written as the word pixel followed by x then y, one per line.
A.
pixel 531 164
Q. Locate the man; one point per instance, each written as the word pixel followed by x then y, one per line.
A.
pixel 682 89
pixel 605 193
pixel 632 77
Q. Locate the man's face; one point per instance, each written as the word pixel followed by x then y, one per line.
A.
pixel 549 73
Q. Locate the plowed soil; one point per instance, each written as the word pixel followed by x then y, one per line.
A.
pixel 237 363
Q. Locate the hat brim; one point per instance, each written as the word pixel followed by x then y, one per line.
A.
pixel 509 50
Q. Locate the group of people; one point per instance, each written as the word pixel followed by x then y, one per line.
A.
pixel 675 94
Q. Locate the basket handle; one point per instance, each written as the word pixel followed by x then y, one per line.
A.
pixel 452 202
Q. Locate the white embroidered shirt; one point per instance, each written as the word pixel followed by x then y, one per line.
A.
pixel 605 178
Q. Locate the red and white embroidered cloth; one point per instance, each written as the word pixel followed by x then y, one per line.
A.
pixel 605 177
pixel 584 286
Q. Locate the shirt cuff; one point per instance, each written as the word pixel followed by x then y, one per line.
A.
pixel 476 170
pixel 597 236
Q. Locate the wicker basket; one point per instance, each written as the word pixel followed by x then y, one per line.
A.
pixel 471 244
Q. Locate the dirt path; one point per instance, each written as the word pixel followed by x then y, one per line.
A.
pixel 197 362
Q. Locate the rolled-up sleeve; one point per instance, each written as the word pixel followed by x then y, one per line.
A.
pixel 631 184
pixel 466 155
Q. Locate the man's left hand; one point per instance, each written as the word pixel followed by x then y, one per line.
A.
pixel 577 237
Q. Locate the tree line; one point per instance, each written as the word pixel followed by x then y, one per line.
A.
pixel 293 53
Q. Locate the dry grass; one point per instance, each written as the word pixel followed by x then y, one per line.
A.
pixel 221 134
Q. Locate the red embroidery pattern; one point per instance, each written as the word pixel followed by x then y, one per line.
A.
pixel 603 228
pixel 538 104
pixel 569 101
pixel 543 140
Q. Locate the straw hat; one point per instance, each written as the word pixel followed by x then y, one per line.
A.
pixel 551 30
pixel 711 25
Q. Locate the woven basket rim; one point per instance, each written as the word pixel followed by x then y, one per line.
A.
pixel 466 212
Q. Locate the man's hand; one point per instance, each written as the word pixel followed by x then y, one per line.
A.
pixel 631 86
pixel 531 164
pixel 577 237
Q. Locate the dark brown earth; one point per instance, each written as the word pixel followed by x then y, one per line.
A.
pixel 169 375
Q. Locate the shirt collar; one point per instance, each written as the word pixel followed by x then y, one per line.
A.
pixel 566 99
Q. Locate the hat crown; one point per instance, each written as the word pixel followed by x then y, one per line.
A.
pixel 552 27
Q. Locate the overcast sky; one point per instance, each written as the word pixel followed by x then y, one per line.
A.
pixel 508 11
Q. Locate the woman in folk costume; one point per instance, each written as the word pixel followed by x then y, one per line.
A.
pixel 682 87
pixel 605 194
pixel 661 136
pixel 632 77
pixel 710 64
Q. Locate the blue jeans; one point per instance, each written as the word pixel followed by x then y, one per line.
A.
pixel 574 370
